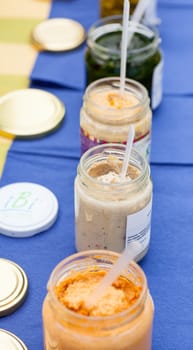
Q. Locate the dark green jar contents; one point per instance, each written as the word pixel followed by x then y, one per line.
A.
pixel 103 59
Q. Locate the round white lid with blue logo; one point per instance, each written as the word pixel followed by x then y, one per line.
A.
pixel 26 209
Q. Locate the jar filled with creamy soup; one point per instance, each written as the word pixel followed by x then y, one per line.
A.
pixel 107 114
pixel 111 212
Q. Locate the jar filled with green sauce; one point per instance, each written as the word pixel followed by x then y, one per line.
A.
pixel 144 57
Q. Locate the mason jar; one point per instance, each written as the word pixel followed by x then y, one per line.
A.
pixel 107 114
pixel 144 57
pixel 111 212
pixel 66 328
pixel 115 7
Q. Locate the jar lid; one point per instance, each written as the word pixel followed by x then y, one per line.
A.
pixel 26 209
pixel 30 112
pixel 13 289
pixel 9 341
pixel 59 34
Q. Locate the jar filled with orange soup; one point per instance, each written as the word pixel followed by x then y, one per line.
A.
pixel 120 320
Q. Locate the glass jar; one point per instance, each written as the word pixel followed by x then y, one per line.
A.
pixel 102 121
pixel 115 7
pixel 144 58
pixel 109 215
pixel 65 329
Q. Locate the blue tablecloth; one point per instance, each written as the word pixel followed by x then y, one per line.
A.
pixel 52 162
pixel 175 30
pixel 177 3
pixel 172 140
pixel 58 67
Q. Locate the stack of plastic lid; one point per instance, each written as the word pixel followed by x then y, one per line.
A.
pixel 14 286
pixel 13 291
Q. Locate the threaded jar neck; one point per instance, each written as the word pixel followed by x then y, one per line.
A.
pixel 108 114
pixel 112 191
pixel 113 24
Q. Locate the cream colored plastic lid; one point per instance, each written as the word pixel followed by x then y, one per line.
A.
pixel 30 112
pixel 59 34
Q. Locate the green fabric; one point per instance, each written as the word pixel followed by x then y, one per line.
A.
pixel 12 82
pixel 17 30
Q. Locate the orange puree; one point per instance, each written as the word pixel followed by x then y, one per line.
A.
pixel 114 99
pixel 75 290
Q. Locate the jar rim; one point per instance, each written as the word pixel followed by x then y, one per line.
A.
pixel 97 253
pixel 129 83
pixel 94 33
pixel 115 147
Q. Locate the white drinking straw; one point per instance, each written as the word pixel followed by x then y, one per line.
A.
pixel 137 15
pixel 129 254
pixel 127 154
pixel 140 9
pixel 126 10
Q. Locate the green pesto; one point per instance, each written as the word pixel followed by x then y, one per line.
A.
pixel 138 68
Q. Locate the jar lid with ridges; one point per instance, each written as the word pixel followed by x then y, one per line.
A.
pixel 58 34
pixel 14 284
pixel 9 341
pixel 26 209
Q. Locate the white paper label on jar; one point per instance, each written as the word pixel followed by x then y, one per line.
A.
pixel 139 226
pixel 156 93
pixel 143 145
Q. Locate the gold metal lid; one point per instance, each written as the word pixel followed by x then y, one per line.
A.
pixel 58 34
pixel 14 285
pixel 9 341
pixel 30 112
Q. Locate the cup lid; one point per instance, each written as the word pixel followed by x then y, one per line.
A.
pixel 9 341
pixel 58 34
pixel 28 113
pixel 26 209
pixel 14 284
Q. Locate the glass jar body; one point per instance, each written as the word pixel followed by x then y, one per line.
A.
pixel 110 216
pixel 63 329
pixel 115 7
pixel 100 124
pixel 144 57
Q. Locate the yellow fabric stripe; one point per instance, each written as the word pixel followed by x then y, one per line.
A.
pixel 12 82
pixel 5 144
pixel 24 8
pixel 17 30
pixel 7 84
pixel 17 56
pixel 17 59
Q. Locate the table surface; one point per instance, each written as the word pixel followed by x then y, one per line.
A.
pixel 52 162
